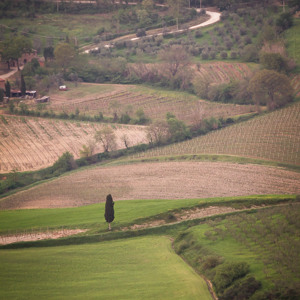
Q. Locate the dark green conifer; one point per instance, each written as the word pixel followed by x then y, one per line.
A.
pixel 109 210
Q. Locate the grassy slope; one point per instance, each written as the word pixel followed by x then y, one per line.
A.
pixel 273 137
pixel 126 212
pixel 144 268
pixel 246 243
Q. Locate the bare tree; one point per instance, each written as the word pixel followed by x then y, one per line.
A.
pixel 88 150
pixel 175 59
pixel 107 138
pixel 158 132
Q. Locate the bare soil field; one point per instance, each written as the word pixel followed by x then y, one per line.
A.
pixel 167 180
pixel 28 144
pixel 35 236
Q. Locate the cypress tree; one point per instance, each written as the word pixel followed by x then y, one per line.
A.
pixel 23 86
pixel 7 89
pixel 109 210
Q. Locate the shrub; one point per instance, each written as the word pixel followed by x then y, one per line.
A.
pixel 223 55
pixel 198 34
pixel 247 40
pixel 250 54
pixel 141 32
pixel 273 61
pixel 211 262
pixel 227 273
pixel 233 55
pixel 243 289
pixel 65 163
pixel 205 55
pixel 284 21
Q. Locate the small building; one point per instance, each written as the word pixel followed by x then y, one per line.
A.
pixel 18 94
pixel 44 99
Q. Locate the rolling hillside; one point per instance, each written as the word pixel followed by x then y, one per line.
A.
pixel 35 143
pixel 91 99
pixel 274 136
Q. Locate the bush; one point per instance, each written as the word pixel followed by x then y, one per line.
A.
pixel 198 34
pixel 227 273
pixel 242 289
pixel 273 61
pixel 250 54
pixel 285 21
pixel 211 262
pixel 223 55
pixel 65 163
pixel 141 32
pixel 233 55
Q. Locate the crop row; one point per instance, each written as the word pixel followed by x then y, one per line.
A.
pixel 221 72
pixel 154 106
pixel 33 143
pixel 274 136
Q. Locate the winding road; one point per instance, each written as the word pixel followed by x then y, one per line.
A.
pixel 214 18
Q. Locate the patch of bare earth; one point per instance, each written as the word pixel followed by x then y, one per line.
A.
pixel 190 214
pixel 36 236
pixel 165 180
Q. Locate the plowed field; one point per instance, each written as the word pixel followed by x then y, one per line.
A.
pixel 35 143
pixel 127 98
pixel 169 180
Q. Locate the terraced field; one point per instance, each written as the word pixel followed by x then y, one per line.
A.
pixel 129 99
pixel 35 143
pixel 274 136
pixel 220 72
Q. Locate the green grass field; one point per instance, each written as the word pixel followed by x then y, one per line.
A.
pixel 89 216
pixel 92 216
pixel 143 268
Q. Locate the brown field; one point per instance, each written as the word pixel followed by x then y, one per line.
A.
pixel 35 143
pixel 274 136
pixel 167 180
pixel 91 99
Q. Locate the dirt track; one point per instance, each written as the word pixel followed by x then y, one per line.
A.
pixel 166 180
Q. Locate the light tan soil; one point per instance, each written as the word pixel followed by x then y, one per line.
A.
pixel 165 180
pixel 35 236
pixel 190 214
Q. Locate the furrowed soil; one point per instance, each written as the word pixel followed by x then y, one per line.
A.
pixel 166 180
pixel 28 144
